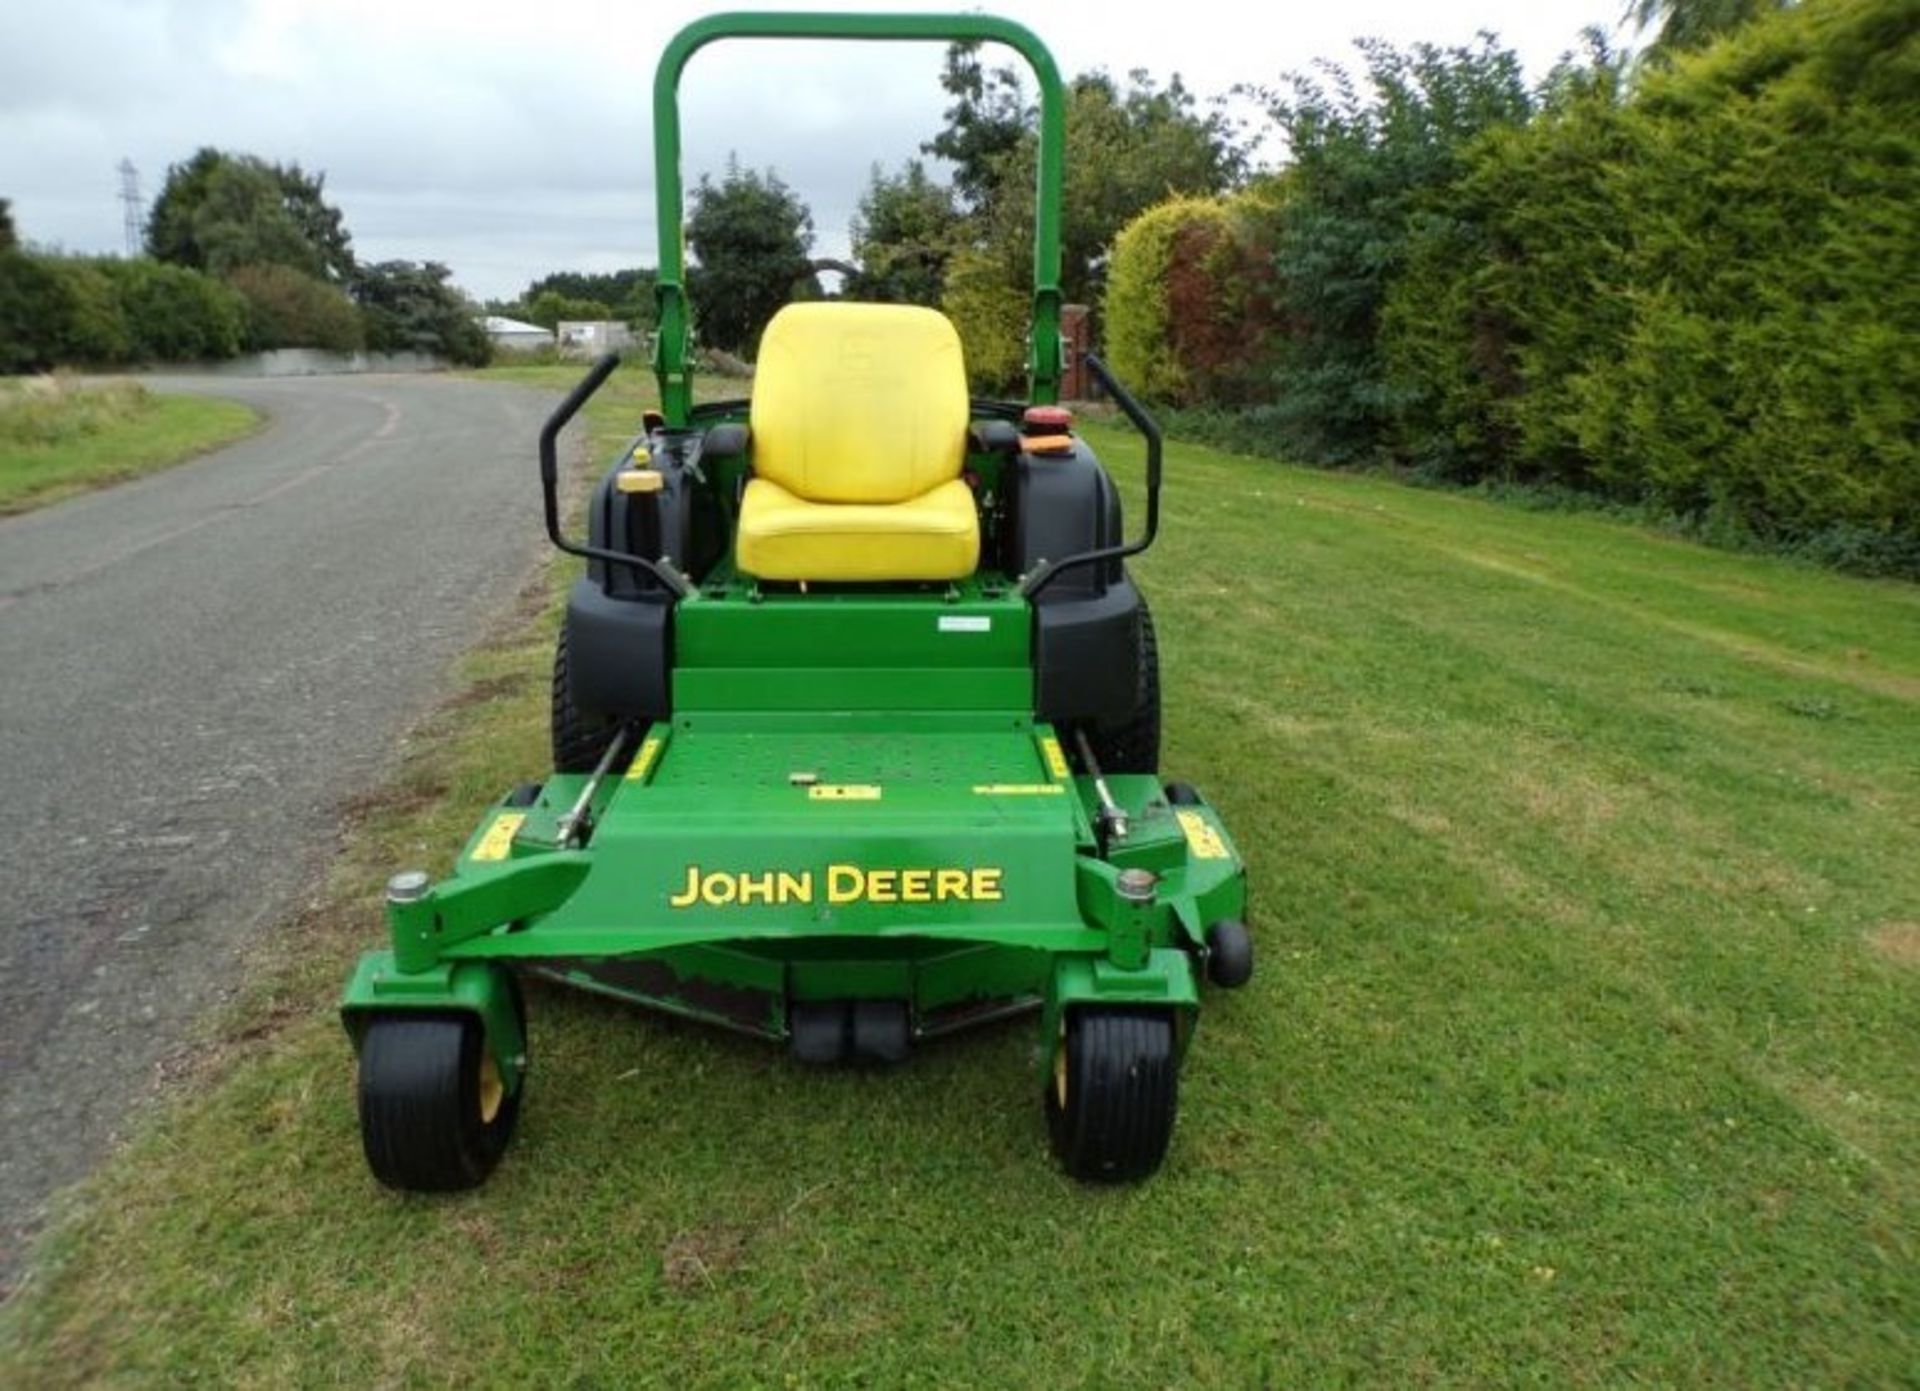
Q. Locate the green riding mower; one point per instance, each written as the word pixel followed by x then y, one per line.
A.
pixel 856 725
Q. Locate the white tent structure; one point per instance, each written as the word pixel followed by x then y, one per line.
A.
pixel 510 335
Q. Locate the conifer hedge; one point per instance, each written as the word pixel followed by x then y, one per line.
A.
pixel 1691 287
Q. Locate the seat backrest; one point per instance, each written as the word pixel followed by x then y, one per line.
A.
pixel 859 402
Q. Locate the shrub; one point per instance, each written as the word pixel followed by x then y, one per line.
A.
pixel 414 306
pixel 58 310
pixel 1140 317
pixel 33 313
pixel 1515 280
pixel 1705 296
pixel 95 331
pixel 993 318
pixel 1368 156
pixel 1189 305
pixel 177 315
pixel 286 309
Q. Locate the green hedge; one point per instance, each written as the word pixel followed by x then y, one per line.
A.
pixel 1705 295
pixel 1190 298
pixel 54 310
pixel 177 315
pixel 57 311
pixel 1689 290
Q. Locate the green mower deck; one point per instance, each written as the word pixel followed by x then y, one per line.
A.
pixel 846 816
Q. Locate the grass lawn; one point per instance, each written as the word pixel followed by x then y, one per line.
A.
pixel 58 438
pixel 1582 1049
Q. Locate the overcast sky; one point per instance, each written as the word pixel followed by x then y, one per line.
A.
pixel 512 139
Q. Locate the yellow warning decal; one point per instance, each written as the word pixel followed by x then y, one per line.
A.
pixel 1018 789
pixel 1056 761
pixel 843 792
pixel 499 837
pixel 1204 840
pixel 642 761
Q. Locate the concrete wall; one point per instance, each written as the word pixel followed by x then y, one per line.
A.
pixel 312 362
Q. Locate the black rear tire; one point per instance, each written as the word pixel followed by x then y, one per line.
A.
pixel 1114 1094
pixel 1133 746
pixel 578 741
pixel 435 1115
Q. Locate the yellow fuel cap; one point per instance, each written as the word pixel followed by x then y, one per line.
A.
pixel 638 480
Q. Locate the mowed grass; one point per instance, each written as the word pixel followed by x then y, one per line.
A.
pixel 59 437
pixel 1582 1048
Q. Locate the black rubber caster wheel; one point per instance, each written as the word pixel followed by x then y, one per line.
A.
pixel 1114 1092
pixel 525 795
pixel 880 1031
pixel 435 1113
pixel 1229 954
pixel 817 1030
pixel 1182 794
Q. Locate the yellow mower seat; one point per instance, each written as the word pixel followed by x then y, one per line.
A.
pixel 859 436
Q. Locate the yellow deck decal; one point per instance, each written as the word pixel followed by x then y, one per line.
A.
pixel 642 761
pixel 844 792
pixel 1056 761
pixel 499 837
pixel 1018 789
pixel 1201 836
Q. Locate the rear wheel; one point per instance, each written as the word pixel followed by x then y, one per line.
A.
pixel 1114 1093
pixel 578 741
pixel 435 1111
pixel 1133 746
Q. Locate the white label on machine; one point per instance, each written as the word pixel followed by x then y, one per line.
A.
pixel 966 623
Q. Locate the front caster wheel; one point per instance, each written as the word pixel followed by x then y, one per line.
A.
pixel 1229 954
pixel 435 1113
pixel 1114 1092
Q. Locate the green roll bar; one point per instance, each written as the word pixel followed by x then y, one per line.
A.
pixel 670 352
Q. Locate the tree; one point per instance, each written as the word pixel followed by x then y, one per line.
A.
pixel 323 225
pixel 1684 24
pixel 1129 147
pixel 1370 156
pixel 626 295
pixel 413 306
pixel 9 238
pixel 906 230
pixel 219 211
pixel 549 307
pixel 750 235
pixel 985 125
pixel 992 317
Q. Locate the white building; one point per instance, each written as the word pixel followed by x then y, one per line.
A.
pixel 590 337
pixel 510 335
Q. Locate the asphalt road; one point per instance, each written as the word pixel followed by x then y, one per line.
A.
pixel 196 669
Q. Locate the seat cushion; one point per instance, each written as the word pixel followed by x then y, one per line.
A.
pixel 859 402
pixel 935 536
